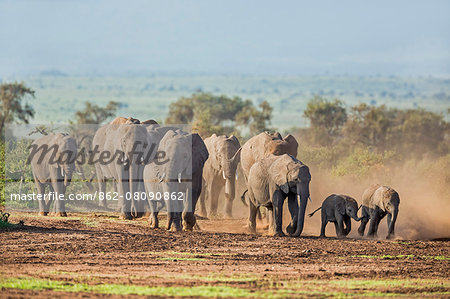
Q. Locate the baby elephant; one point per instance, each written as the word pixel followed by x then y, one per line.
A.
pixel 379 201
pixel 338 209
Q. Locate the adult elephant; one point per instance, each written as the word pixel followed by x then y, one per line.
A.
pixel 119 153
pixel 177 176
pixel 220 172
pixel 52 158
pixel 377 202
pixel 270 181
pixel 263 145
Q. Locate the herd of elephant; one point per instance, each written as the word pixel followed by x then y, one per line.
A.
pixel 202 169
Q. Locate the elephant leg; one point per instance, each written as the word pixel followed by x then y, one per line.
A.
pixel 101 184
pixel 43 208
pixel 123 185
pixel 102 189
pixel 391 225
pixel 202 201
pixel 364 219
pixel 293 210
pixel 59 188
pixel 389 220
pixel 348 225
pixel 252 217
pixel 336 227
pixel 174 223
pixel 213 196
pixel 153 219
pixel 372 233
pixel 324 225
pixel 270 222
pixel 377 223
pixel 189 220
pixel 278 200
pixel 340 226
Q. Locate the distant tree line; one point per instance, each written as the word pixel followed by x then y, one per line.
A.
pixel 379 128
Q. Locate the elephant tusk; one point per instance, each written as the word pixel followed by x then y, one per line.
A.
pixel 162 177
pixel 236 176
pixel 223 174
pixel 62 171
pixel 179 177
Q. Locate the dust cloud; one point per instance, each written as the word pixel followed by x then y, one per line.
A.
pixel 424 199
pixel 424 190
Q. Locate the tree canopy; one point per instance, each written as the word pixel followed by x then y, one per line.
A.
pixel 326 118
pixel 94 114
pixel 210 114
pixel 13 108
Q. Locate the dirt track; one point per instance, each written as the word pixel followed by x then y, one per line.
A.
pixel 101 249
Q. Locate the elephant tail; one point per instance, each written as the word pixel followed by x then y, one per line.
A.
pixel 310 215
pixel 243 198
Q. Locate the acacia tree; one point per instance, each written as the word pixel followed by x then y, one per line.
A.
pixel 13 108
pixel 326 118
pixel 220 114
pixel 94 114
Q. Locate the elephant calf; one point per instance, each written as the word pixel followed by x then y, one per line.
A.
pixel 379 201
pixel 338 209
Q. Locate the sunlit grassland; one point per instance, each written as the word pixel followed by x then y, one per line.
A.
pixel 262 288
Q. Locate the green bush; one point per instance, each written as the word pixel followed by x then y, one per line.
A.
pixel 361 162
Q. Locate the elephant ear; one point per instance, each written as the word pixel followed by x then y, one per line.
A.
pixel 293 145
pixel 340 205
pixel 214 152
pixel 199 154
pixel 379 199
pixel 235 140
pixel 281 178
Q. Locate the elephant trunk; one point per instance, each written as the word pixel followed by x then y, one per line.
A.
pixel 67 171
pixel 229 174
pixel 303 195
pixel 392 224
pixel 355 216
pixel 229 196
pixel 133 181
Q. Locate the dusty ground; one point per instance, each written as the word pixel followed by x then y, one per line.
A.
pixel 92 250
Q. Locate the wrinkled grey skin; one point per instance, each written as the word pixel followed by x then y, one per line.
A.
pixel 270 181
pixel 338 209
pixel 220 173
pixel 55 175
pixel 125 170
pixel 263 145
pixel 185 157
pixel 377 202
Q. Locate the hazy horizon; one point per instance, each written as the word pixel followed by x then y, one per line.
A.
pixel 402 38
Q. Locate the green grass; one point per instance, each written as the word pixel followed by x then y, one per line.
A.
pixel 26 283
pixel 180 259
pixel 5 224
pixel 90 223
pixel 404 256
pixel 260 289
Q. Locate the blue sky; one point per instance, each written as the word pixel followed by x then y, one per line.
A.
pixel 406 38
